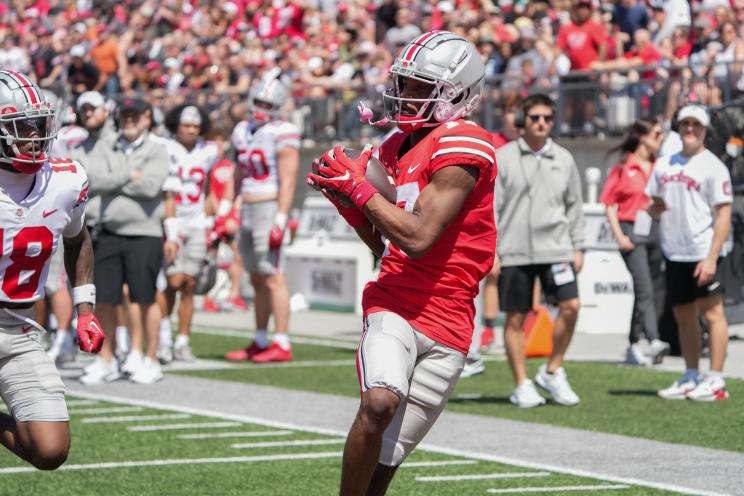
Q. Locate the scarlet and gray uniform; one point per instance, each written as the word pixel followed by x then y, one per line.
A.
pixel 187 177
pixel 31 229
pixel 258 150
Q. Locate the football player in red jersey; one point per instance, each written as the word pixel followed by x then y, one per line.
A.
pixel 436 244
pixel 42 201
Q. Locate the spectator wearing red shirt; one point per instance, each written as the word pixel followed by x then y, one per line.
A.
pixel 636 234
pixel 584 41
pixel 643 52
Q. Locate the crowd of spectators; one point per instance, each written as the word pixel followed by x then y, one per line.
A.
pixel 172 50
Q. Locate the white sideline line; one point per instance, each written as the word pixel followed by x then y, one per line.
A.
pixel 133 418
pixel 295 339
pixel 71 403
pixel 103 411
pixel 437 464
pixel 174 427
pixel 501 475
pixel 218 435
pixel 567 471
pixel 281 444
pixel 427 447
pixel 557 489
pixel 184 461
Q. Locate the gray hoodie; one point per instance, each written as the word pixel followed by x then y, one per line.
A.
pixel 130 208
pixel 538 205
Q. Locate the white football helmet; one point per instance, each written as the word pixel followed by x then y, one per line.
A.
pixel 24 111
pixel 267 99
pixel 451 64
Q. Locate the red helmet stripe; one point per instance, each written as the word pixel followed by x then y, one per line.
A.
pixel 26 86
pixel 419 43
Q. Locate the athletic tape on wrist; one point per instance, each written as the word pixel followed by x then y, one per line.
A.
pixel 170 226
pixel 280 220
pixel 84 294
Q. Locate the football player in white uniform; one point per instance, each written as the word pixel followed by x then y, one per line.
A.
pixel 268 160
pixel 41 201
pixel 192 157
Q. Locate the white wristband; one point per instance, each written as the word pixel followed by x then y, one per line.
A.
pixel 170 226
pixel 280 220
pixel 224 207
pixel 84 294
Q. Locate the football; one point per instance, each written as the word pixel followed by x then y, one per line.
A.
pixel 376 174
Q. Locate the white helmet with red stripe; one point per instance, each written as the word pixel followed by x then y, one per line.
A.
pixel 267 99
pixel 27 127
pixel 447 61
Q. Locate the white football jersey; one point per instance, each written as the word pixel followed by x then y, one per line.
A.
pixel 30 229
pixel 187 178
pixel 258 149
pixel 68 137
pixel 691 188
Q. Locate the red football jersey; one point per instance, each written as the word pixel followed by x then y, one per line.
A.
pixel 222 172
pixel 435 293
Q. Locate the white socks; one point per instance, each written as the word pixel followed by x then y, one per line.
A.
pixel 181 340
pixel 282 339
pixel 122 340
pixel 165 338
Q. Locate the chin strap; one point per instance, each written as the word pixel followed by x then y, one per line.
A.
pixel 365 115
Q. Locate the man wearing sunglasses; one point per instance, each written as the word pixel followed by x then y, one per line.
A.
pixel 541 233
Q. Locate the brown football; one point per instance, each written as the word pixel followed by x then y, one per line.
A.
pixel 376 174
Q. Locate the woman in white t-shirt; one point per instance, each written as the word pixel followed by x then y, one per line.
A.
pixel 691 192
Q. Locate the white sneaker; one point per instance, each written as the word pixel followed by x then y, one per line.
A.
pixel 634 356
pixel 709 389
pixel 100 371
pixel 165 355
pixel 678 390
pixel 133 362
pixel 658 350
pixel 184 354
pixel 526 396
pixel 63 348
pixel 557 385
pixel 472 367
pixel 148 373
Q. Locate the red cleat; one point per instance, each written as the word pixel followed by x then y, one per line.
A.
pixel 273 353
pixel 487 337
pixel 238 303
pixel 210 305
pixel 245 354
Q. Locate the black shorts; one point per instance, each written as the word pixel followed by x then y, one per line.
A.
pixel 558 282
pixel 682 287
pixel 134 260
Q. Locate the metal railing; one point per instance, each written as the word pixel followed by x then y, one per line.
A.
pixel 588 103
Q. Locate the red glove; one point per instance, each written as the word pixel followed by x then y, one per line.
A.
pixel 344 175
pixel 90 334
pixel 352 215
pixel 276 236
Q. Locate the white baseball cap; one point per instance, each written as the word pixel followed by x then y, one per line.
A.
pixel 77 51
pixel 92 98
pixel 697 112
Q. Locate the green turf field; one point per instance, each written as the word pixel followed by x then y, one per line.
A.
pixel 615 399
pixel 177 453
